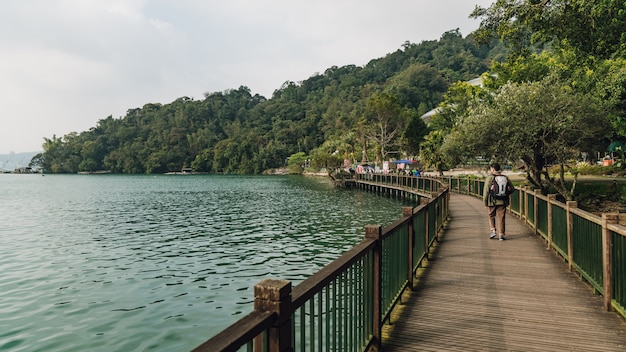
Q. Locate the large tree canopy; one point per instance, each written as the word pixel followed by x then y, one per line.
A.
pixel 541 123
pixel 592 27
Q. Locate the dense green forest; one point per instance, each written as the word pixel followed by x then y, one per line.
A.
pixel 348 112
pixel 553 98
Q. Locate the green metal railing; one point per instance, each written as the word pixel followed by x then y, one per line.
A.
pixel 337 317
pixel 530 209
pixel 542 218
pixel 395 269
pixel 426 223
pixel 515 204
pixel 559 229
pixel 342 307
pixel 419 244
pixel 594 246
pixel 618 264
pixel 587 238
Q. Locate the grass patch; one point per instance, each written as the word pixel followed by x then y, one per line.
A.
pixel 597 170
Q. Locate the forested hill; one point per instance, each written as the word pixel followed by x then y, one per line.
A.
pixel 325 116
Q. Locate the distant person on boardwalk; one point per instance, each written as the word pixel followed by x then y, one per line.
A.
pixel 496 194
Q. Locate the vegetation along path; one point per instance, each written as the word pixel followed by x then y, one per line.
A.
pixel 479 294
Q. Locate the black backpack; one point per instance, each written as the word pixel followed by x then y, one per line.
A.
pixel 500 187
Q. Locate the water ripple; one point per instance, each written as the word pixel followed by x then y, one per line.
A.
pixel 135 263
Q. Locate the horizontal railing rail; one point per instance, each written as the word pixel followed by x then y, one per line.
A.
pixel 593 246
pixel 423 186
pixel 343 306
pixel 240 333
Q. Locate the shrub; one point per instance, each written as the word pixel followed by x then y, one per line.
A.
pixel 598 170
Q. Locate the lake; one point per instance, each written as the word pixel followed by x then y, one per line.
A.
pixel 160 263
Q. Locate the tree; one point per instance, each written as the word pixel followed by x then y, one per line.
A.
pixel 91 156
pixel 459 99
pixel 431 153
pixel 296 163
pixel 332 152
pixel 541 123
pixel 418 84
pixel 529 68
pixel 59 156
pixel 591 27
pixel 383 113
pixel 203 161
pixel 37 161
pixel 321 159
pixel 605 79
pixel 608 82
pixel 414 133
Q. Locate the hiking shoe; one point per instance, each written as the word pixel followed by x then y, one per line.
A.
pixel 492 235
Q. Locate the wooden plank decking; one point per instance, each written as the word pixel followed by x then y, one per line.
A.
pixel 479 294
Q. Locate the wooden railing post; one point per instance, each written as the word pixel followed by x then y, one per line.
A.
pixel 375 232
pixel 551 198
pixel 606 258
pixel 408 211
pixel 570 232
pixel 622 219
pixel 275 296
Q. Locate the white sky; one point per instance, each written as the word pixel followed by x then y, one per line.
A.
pixel 65 64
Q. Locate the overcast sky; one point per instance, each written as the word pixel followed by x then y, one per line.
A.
pixel 65 64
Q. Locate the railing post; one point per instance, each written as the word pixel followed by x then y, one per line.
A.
pixel 526 204
pixel 522 196
pixel 375 232
pixel 606 258
pixel 275 296
pixel 536 209
pixel 434 196
pixel 408 211
pixel 426 201
pixel 520 209
pixel 551 198
pixel 570 232
pixel 622 219
pixel 448 204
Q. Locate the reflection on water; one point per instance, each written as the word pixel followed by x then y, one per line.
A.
pixel 134 263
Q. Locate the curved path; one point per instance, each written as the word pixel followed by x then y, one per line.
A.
pixel 479 294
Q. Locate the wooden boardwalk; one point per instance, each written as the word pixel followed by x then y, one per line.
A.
pixel 478 294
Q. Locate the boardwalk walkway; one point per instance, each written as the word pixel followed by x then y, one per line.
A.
pixel 479 294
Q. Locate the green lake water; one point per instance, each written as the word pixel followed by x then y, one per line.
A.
pixel 160 263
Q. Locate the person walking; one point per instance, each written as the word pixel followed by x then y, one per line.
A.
pixel 498 188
